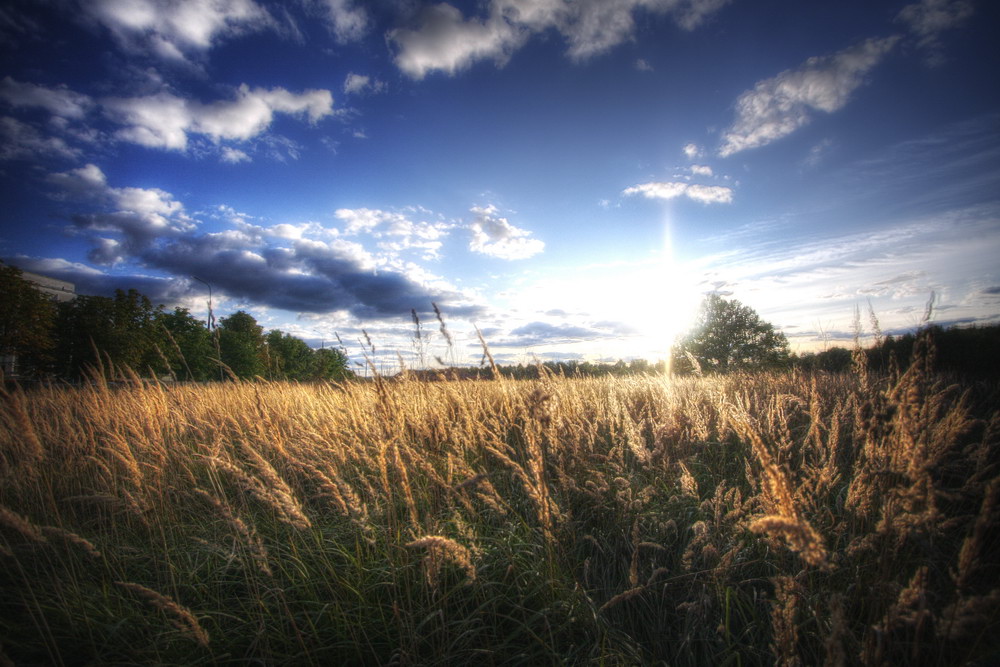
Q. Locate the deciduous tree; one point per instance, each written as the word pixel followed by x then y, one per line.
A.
pixel 729 336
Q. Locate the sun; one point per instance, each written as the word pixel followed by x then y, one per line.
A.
pixel 665 300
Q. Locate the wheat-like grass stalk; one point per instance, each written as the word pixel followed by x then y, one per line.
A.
pixel 441 549
pixel 21 525
pixel 83 543
pixel 180 616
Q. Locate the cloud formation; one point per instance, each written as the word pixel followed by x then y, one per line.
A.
pixel 176 30
pixel 545 333
pixel 443 39
pixel 778 106
pixel 929 18
pixel 496 237
pixel 348 22
pixel 356 84
pixel 396 232
pixel 285 266
pixel 165 120
pixel 137 216
pixel 705 194
pixel 59 101
pixel 20 141
pixel 161 120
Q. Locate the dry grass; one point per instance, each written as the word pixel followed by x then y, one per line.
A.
pixel 727 520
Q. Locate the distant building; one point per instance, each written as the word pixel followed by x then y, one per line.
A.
pixel 60 289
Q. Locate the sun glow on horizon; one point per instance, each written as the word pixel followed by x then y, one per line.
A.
pixel 662 301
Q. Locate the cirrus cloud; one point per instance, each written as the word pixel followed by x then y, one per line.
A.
pixel 778 106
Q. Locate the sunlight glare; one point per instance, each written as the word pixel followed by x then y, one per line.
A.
pixel 668 310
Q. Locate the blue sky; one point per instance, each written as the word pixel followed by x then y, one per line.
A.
pixel 570 177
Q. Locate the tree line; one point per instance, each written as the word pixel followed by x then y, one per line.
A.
pixel 50 339
pixel 40 337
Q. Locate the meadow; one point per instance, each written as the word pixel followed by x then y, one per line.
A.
pixel 746 519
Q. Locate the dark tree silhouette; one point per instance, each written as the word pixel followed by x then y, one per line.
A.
pixel 729 336
pixel 26 320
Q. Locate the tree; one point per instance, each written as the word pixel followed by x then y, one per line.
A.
pixel 27 318
pixel 330 364
pixel 187 346
pixel 122 330
pixel 729 336
pixel 288 357
pixel 241 343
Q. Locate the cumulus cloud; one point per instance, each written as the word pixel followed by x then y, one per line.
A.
pixel 149 228
pixel 138 215
pixel 705 194
pixel 701 170
pixel 174 30
pixel 347 21
pixel 778 106
pixel 396 232
pixel 88 280
pixel 165 120
pixel 443 39
pixel 82 182
pixel 496 237
pixel 59 101
pixel 446 41
pixel 356 84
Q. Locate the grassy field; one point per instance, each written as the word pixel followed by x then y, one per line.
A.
pixel 739 520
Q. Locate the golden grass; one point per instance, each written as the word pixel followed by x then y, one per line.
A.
pixel 752 519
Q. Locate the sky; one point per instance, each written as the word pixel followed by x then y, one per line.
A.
pixel 569 177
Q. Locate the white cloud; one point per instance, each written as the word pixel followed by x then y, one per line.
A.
pixel 399 232
pixel 355 84
pixel 157 121
pixel 234 155
pixel 701 170
pixel 444 40
pixel 710 194
pixel 496 237
pixel 165 120
pixel 692 151
pixel 705 194
pixel 348 22
pixel 59 101
pixel 85 181
pixel 293 232
pixel 171 29
pixel 643 66
pixel 778 106
pixel 363 219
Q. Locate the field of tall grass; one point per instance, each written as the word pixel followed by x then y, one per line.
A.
pixel 738 520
